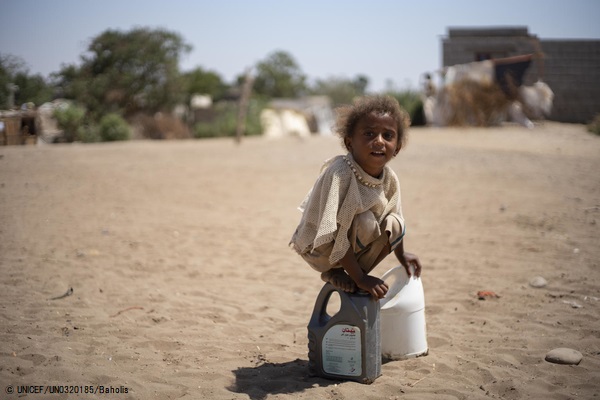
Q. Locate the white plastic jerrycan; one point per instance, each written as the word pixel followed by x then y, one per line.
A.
pixel 403 333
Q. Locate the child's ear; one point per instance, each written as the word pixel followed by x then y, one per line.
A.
pixel 348 143
pixel 397 150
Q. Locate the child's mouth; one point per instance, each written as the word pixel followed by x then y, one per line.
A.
pixel 378 153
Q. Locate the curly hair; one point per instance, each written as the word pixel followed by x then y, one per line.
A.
pixel 349 115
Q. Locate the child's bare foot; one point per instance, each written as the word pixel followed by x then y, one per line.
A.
pixel 339 279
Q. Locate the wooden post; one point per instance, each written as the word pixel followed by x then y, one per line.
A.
pixel 243 105
pixel 12 88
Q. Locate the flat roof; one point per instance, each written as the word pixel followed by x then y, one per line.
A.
pixel 488 31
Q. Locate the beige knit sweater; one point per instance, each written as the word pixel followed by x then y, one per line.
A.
pixel 342 191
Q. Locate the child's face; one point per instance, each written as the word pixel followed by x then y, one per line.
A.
pixel 373 142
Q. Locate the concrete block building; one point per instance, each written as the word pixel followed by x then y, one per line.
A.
pixel 570 67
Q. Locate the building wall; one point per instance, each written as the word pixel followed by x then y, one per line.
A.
pixel 570 67
pixel 572 70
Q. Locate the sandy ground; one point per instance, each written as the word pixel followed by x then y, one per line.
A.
pixel 184 287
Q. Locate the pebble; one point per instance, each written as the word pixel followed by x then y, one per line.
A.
pixel 538 282
pixel 573 304
pixel 563 355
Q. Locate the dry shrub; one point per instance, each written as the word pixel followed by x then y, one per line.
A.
pixel 475 103
pixel 159 126
pixel 594 126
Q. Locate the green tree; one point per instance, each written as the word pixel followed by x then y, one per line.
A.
pixel 200 81
pixel 32 88
pixel 9 66
pixel 127 72
pixel 25 87
pixel 279 75
pixel 341 90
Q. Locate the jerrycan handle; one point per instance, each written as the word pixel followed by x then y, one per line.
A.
pixel 319 314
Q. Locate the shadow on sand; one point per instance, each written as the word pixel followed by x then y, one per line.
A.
pixel 276 378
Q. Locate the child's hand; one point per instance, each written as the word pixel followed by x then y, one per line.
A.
pixel 410 260
pixel 375 286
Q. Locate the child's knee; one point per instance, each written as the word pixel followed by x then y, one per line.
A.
pixel 364 231
pixel 318 258
pixel 393 225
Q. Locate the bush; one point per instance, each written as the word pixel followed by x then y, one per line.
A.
pixel 412 103
pixel 225 122
pixel 113 127
pixel 594 126
pixel 88 134
pixel 70 120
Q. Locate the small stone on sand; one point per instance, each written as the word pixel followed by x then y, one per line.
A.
pixel 564 355
pixel 538 282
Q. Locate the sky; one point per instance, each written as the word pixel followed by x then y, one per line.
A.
pixel 390 42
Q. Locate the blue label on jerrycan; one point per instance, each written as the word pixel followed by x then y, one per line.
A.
pixel 346 345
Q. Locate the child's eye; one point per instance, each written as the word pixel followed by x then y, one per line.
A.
pixel 369 134
pixel 388 135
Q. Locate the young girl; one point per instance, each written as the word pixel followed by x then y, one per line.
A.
pixel 352 217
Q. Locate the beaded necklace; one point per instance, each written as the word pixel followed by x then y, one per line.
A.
pixel 358 174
